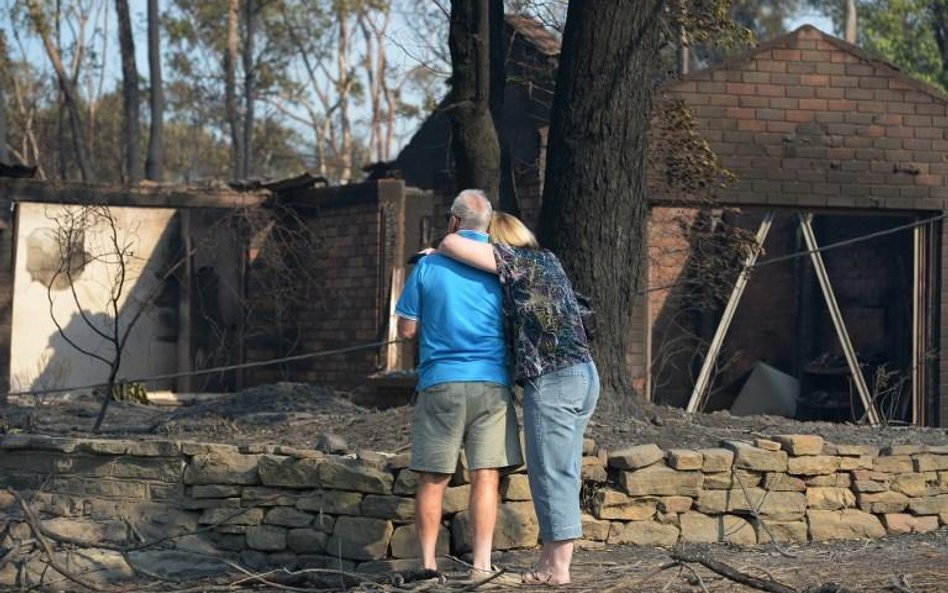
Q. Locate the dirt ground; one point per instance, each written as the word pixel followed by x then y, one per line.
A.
pixel 298 415
pixel 301 415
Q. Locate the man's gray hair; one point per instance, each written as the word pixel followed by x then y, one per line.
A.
pixel 473 209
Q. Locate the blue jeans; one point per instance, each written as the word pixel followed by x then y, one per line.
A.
pixel 556 408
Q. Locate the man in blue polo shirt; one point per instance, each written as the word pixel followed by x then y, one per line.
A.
pixel 463 388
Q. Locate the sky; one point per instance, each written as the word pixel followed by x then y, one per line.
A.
pixel 400 55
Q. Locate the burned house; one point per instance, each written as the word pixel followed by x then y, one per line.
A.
pixel 835 152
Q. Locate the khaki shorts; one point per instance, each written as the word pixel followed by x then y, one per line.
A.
pixel 479 416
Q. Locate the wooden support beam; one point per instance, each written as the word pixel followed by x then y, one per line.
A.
pixel 696 402
pixel 859 381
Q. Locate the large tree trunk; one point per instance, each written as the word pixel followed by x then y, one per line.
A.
pixel 344 84
pixel 230 91
pixel 154 162
pixel 474 144
pixel 70 98
pixel 249 22
pixel 507 185
pixel 131 131
pixel 939 9
pixel 4 70
pixel 594 201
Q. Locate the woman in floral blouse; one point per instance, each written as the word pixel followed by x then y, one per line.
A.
pixel 554 366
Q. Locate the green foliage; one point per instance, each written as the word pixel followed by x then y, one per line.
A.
pixel 900 31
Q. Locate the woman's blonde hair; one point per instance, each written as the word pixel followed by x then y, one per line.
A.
pixel 507 228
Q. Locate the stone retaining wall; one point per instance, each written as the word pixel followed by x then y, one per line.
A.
pixel 291 507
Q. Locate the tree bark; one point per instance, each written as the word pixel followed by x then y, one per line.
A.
pixel 154 162
pixel 131 130
pixel 70 98
pixel 507 185
pixel 345 87
pixel 4 70
pixel 249 82
pixel 594 202
pixel 474 143
pixel 939 9
pixel 851 21
pixel 230 90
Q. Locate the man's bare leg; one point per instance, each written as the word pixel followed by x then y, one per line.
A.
pixel 485 495
pixel 428 499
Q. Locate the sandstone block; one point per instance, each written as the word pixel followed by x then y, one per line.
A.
pixel 837 480
pixel 360 538
pixel 288 472
pixel 260 496
pixel 911 485
pixel 882 502
pixel 661 481
pixel 231 516
pixel 908 449
pixel 812 465
pixel 786 506
pixel 516 527
pixel 644 533
pixel 595 473
pixel 266 538
pixel 894 464
pixel 801 444
pixel 755 458
pixel 675 504
pixel 515 487
pixel 287 517
pixel 830 499
pixel 782 482
pixel 116 489
pixel 869 486
pixel 783 531
pixel 163 470
pixel 154 448
pixel 767 444
pixel 716 460
pixel 857 450
pixel 850 463
pixel 611 504
pixel 731 479
pixel 388 507
pixel 636 457
pixel 684 459
pixel 406 484
pixel 931 463
pixel 222 468
pixel 698 528
pixel 456 499
pixel 306 541
pixel 334 503
pixel 594 529
pixel 405 542
pixel 589 446
pixel 904 523
pixel 845 524
pixel 354 475
pixel 215 491
pixel 930 505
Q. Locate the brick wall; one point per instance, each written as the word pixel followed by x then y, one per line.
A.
pixel 345 306
pixel 809 120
